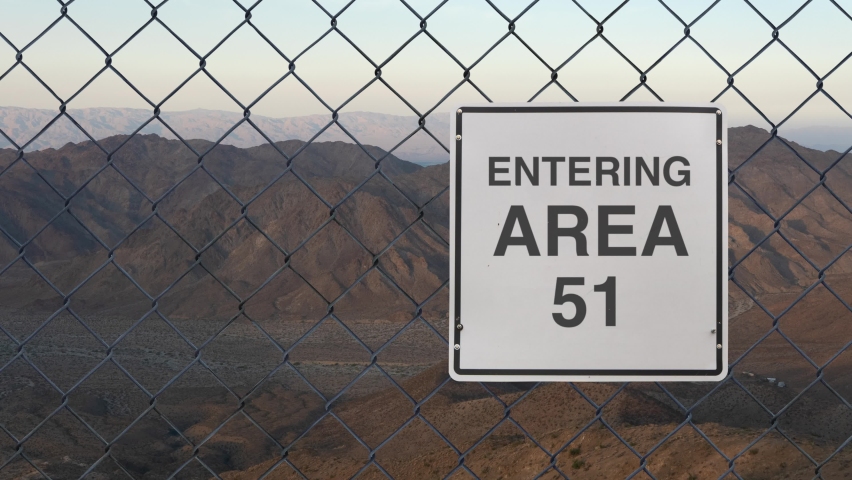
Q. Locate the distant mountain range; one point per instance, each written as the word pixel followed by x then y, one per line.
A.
pixel 822 137
pixel 381 130
pixel 378 129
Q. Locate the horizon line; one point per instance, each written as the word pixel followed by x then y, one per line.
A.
pixel 239 113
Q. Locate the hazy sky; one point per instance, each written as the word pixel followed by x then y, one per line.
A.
pixel 246 65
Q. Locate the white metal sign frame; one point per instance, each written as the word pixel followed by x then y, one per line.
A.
pixel 457 296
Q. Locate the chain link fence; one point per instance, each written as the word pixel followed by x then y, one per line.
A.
pixel 350 407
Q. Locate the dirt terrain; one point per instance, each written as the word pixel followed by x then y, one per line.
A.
pixel 373 408
pixel 209 332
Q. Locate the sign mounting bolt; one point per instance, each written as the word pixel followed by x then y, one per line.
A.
pixel 713 331
pixel 458 111
pixel 718 112
pixel 459 326
pixel 457 346
pixel 458 137
pixel 718 142
pixel 718 346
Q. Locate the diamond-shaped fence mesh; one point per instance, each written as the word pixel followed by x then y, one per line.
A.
pixel 189 309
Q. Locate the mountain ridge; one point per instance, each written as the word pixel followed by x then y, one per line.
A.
pixel 324 175
pixel 382 130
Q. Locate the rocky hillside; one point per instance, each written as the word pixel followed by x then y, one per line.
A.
pixel 201 210
pixel 819 228
pixel 203 207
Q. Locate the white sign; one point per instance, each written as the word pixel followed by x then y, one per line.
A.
pixel 588 242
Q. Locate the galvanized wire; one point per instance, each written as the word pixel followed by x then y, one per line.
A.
pixel 596 27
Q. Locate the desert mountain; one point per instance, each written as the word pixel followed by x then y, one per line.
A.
pixel 206 203
pixel 783 179
pixel 384 131
pixel 298 220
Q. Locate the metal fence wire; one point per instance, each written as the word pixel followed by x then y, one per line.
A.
pixel 467 447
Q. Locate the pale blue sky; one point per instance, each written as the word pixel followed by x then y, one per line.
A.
pixel 156 63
